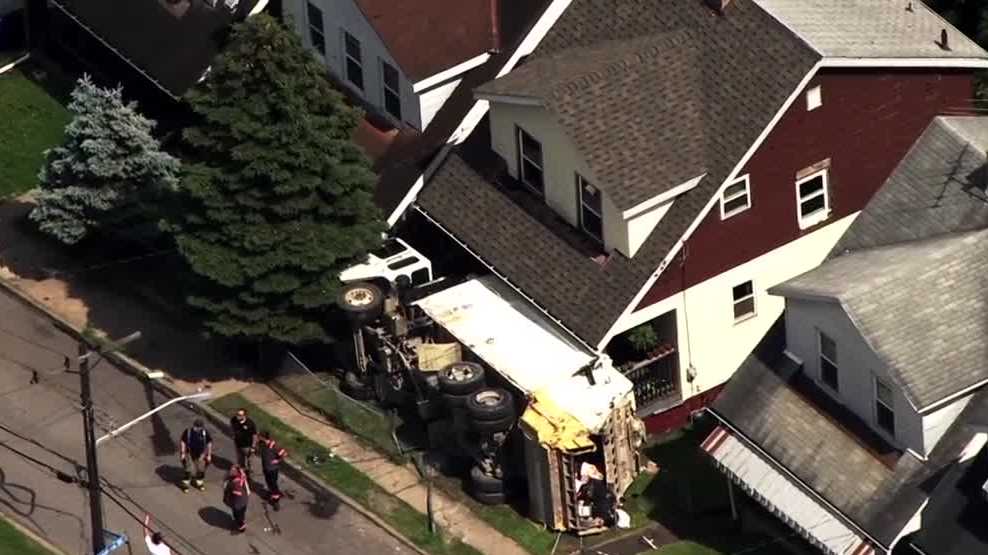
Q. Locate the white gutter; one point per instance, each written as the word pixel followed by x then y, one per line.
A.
pixel 450 73
pixel 663 197
pixel 511 99
pixel 970 63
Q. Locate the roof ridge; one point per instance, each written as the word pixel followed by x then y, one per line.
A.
pixel 635 58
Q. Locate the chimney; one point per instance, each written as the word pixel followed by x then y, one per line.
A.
pixel 495 26
pixel 718 5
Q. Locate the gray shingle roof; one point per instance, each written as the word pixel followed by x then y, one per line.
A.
pixel 637 145
pixel 938 188
pixel 922 306
pixel 781 412
pixel 749 61
pixel 872 28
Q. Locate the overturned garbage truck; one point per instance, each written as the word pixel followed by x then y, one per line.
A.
pixel 492 379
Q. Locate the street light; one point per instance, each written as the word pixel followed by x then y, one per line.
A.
pixel 89 434
pixel 194 397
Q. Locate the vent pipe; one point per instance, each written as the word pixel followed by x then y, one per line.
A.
pixel 944 41
pixel 718 6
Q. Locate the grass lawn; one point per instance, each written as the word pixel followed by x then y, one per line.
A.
pixel 13 541
pixel 683 548
pixel 32 121
pixel 347 479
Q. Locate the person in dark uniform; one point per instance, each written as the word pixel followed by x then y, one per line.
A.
pixel 236 495
pixel 271 456
pixel 195 451
pixel 244 438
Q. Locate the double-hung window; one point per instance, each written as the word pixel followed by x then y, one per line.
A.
pixel 591 219
pixel 812 202
pixel 392 96
pixel 744 301
pixel 353 60
pixel 317 34
pixel 530 162
pixel 828 362
pixel 884 407
pixel 736 197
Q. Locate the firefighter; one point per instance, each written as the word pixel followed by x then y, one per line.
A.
pixel 244 438
pixel 271 456
pixel 195 450
pixel 236 494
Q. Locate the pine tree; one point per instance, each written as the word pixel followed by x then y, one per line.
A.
pixel 278 200
pixel 107 172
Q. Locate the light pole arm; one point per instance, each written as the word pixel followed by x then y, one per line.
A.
pixel 125 427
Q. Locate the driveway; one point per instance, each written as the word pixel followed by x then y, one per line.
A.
pixel 140 467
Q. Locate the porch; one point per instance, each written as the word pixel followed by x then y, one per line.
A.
pixel 648 355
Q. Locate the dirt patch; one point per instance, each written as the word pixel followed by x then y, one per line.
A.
pixel 382 503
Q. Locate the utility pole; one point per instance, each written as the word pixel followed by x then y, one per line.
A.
pixel 92 466
pixel 89 435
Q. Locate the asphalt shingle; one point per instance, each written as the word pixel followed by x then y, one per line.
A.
pixel 749 64
pixel 921 305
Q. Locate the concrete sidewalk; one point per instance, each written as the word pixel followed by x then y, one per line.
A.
pixel 402 480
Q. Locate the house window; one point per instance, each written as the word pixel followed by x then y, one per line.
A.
pixel 813 204
pixel 744 301
pixel 736 198
pixel 884 411
pixel 828 362
pixel 530 161
pixel 814 98
pixel 317 35
pixel 354 63
pixel 590 211
pixel 392 96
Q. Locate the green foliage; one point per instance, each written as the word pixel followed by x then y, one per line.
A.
pixel 643 338
pixel 13 541
pixel 277 200
pixel 108 171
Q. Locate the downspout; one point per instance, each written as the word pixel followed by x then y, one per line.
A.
pixel 495 26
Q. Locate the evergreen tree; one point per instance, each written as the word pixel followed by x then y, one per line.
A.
pixel 106 173
pixel 277 200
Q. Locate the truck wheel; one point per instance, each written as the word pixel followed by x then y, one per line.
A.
pixel 490 403
pixel 485 482
pixel 353 386
pixel 361 302
pixel 493 426
pixel 490 498
pixel 455 401
pixel 461 378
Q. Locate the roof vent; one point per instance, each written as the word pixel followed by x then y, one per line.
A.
pixel 944 42
pixel 718 5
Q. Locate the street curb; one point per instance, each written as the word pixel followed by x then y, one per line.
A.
pixel 137 369
pixel 31 534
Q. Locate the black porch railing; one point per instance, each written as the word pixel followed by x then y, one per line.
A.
pixel 655 378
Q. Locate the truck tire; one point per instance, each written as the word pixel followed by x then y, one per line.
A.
pixel 490 498
pixel 493 426
pixel 361 302
pixel 353 386
pixel 490 403
pixel 461 378
pixel 455 401
pixel 485 483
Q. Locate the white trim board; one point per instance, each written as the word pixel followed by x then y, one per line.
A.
pixel 970 63
pixel 450 74
pixel 480 107
pixel 713 201
pixel 510 99
pixel 662 197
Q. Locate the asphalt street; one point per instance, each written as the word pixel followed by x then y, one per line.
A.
pixel 140 468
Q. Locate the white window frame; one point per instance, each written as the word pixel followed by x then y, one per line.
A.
pixel 522 158
pixel 312 29
pixel 876 381
pixel 580 183
pixel 814 98
pixel 819 349
pixel 385 89
pixel 347 58
pixel 810 220
pixel 724 199
pixel 754 302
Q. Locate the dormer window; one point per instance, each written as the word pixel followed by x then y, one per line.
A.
pixel 591 218
pixel 354 60
pixel 884 407
pixel 530 162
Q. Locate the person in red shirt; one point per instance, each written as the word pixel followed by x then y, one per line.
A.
pixel 236 495
pixel 271 456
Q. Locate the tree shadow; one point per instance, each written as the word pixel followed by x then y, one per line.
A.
pixel 216 517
